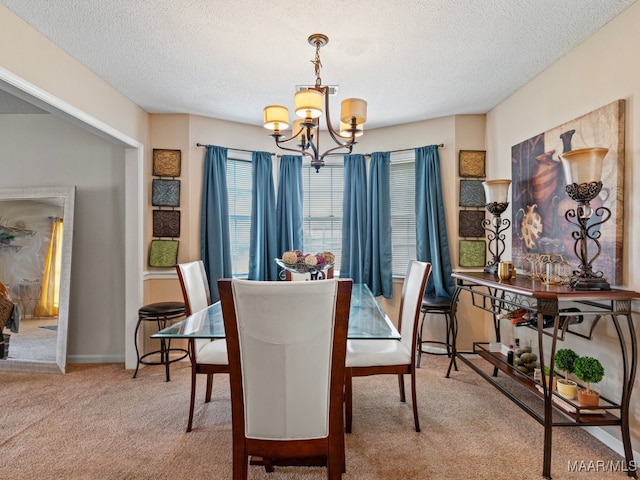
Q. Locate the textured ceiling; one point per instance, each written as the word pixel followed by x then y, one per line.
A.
pixel 411 60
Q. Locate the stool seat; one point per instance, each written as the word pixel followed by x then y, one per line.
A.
pixel 436 306
pixel 162 309
pixel 161 313
pixel 439 304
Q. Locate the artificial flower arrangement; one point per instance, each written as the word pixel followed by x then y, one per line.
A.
pixel 304 262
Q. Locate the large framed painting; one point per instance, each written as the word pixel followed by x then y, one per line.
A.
pixel 539 199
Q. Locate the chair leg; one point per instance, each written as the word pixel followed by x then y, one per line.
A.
pixel 334 467
pixel 348 400
pixel 401 386
pixel 207 397
pixel 419 342
pixel 240 463
pixel 193 399
pixel 447 320
pixel 193 383
pixel 414 401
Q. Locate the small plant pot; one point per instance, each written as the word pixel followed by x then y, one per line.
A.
pixel 567 388
pixel 588 398
pixel 551 379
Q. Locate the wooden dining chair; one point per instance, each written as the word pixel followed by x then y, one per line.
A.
pixel 286 344
pixel 207 357
pixel 397 357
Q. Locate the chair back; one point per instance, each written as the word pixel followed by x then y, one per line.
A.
pixel 415 284
pixel 286 344
pixel 195 286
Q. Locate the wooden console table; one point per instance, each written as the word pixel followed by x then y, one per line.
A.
pixel 547 305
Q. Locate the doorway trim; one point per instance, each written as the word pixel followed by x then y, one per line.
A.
pixel 133 188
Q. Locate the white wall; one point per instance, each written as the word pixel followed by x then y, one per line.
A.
pixel 604 68
pixel 41 150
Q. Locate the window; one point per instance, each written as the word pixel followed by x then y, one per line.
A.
pixel 323 210
pixel 239 190
pixel 403 214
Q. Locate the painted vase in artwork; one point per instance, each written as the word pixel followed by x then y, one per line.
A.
pixel 546 182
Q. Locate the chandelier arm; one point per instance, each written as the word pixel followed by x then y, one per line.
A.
pixel 349 148
pixel 278 142
pixel 296 150
pixel 332 131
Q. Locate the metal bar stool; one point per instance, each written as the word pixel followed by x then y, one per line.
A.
pixel 435 306
pixel 161 313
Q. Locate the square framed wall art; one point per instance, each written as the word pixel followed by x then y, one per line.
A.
pixel 166 223
pixel 471 163
pixel 165 193
pixel 166 163
pixel 163 253
pixel 471 193
pixel 473 253
pixel 470 223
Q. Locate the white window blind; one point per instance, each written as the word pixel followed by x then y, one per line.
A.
pixel 403 215
pixel 239 190
pixel 323 210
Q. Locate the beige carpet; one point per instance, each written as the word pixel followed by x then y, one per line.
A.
pixel 33 342
pixel 96 422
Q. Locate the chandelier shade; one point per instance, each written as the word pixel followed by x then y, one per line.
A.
pixel 298 130
pixel 353 109
pixel 311 104
pixel 276 117
pixel 308 103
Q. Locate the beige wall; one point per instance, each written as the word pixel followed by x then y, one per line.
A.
pixel 604 68
pixel 184 132
pixel 29 55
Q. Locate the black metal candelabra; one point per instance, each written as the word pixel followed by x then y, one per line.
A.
pixel 588 232
pixel 495 228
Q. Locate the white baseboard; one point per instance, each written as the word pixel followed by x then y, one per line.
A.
pixel 95 359
pixel 610 441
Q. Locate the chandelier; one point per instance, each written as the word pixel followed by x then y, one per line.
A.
pixel 308 104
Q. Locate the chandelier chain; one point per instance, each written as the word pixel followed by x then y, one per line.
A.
pixel 317 64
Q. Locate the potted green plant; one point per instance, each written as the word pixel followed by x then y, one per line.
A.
pixel 564 360
pixel 589 370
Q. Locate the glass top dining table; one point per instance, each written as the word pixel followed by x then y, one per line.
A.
pixel 367 320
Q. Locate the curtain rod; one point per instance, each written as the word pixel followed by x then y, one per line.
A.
pixel 409 149
pixel 366 154
pixel 234 149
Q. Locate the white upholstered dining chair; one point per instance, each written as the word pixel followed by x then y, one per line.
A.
pixel 396 357
pixel 207 357
pixel 286 344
